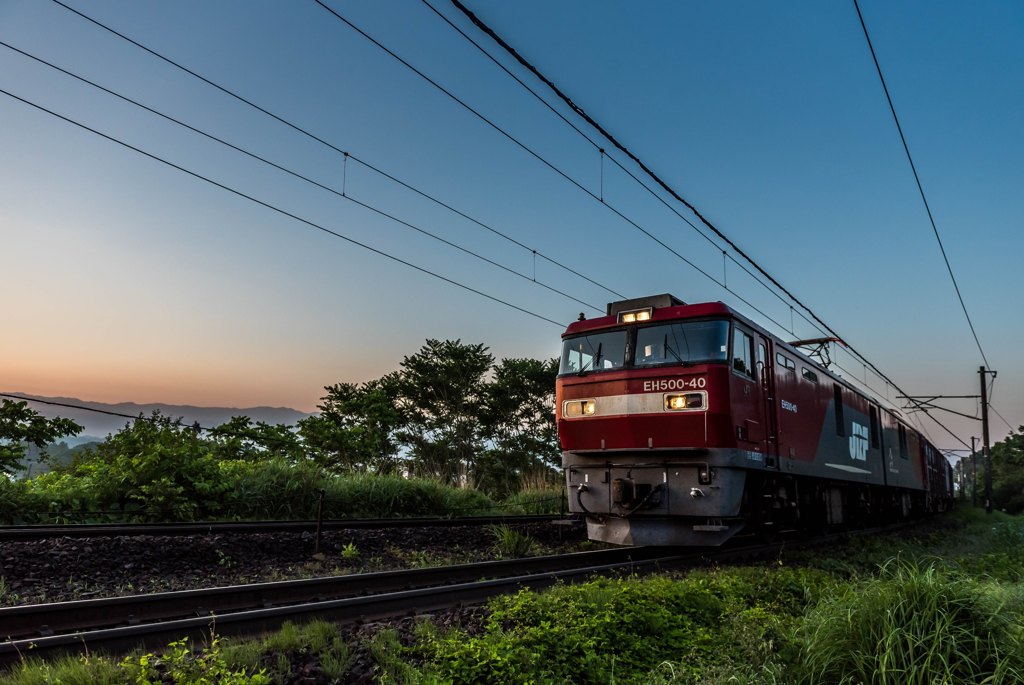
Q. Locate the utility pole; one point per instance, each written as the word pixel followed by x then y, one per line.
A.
pixel 974 478
pixel 924 403
pixel 984 439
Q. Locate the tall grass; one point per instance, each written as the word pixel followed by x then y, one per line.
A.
pixel 550 500
pixel 281 490
pixel 914 624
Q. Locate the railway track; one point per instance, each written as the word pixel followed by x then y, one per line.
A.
pixel 120 624
pixel 123 623
pixel 88 530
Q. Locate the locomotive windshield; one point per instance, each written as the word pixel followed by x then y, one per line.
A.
pixel 684 342
pixel 594 352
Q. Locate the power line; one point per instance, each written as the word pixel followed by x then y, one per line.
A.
pixel 917 179
pixel 1012 429
pixel 577 129
pixel 608 136
pixel 586 117
pixel 165 420
pixel 573 181
pixel 159 420
pixel 312 136
pixel 286 213
pixel 522 145
pixel 582 113
pixel 483 225
pixel 539 157
pixel 295 174
pixel 593 143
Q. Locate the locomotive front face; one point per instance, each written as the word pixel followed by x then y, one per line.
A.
pixel 647 426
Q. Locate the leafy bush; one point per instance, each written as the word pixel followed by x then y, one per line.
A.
pixel 273 489
pixel 736 623
pixel 915 624
pixel 607 630
pixel 18 502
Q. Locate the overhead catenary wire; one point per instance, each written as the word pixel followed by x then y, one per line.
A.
pixel 1005 422
pixel 284 212
pixel 647 170
pixel 334 147
pixel 582 113
pixel 522 145
pixel 319 139
pixel 597 146
pixel 164 420
pixel 306 179
pixel 539 157
pixel 917 179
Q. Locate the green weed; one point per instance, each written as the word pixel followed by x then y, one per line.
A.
pixel 187 667
pixel 509 543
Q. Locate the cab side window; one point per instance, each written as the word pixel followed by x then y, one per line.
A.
pixel 743 353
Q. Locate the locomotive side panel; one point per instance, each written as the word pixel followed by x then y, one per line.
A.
pixel 845 449
pixel 796 408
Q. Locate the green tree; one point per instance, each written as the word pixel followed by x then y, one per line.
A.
pixel 242 440
pixel 356 429
pixel 1007 473
pixel 21 426
pixel 519 420
pixel 442 393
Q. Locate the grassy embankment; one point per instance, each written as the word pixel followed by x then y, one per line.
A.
pixel 943 606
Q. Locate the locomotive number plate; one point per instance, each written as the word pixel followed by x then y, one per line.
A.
pixel 663 384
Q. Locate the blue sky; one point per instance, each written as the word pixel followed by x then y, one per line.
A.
pixel 131 281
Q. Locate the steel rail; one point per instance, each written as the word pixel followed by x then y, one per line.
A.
pixel 245 609
pixel 43 619
pixel 85 530
pixel 422 590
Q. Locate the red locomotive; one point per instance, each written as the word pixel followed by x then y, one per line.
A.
pixel 684 424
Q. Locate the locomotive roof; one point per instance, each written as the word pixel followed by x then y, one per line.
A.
pixel 685 311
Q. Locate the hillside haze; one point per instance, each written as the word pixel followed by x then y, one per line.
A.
pixel 98 426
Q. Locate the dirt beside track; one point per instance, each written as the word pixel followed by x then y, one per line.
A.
pixel 65 569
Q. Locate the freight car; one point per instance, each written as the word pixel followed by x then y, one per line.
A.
pixel 683 424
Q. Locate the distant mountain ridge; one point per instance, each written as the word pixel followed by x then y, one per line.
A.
pixel 99 425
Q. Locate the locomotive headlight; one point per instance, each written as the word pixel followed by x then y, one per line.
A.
pixel 634 316
pixel 573 409
pixel 683 401
pixel 675 402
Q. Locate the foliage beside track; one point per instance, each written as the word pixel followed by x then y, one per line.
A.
pixel 884 610
pixel 449 433
pixel 237 490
